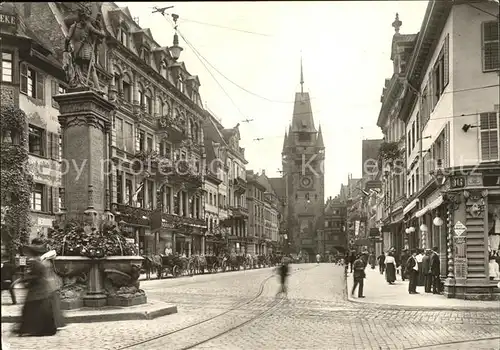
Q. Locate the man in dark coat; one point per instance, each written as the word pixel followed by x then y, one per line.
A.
pixel 412 268
pixel 358 276
pixel 404 259
pixel 381 263
pixel 426 270
pixel 435 271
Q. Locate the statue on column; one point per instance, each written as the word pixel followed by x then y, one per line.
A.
pixel 81 50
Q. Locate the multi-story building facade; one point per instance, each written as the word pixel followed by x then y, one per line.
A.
pixel 232 203
pixel 158 117
pixel 451 109
pixel 256 224
pixel 272 216
pixel 30 76
pixel 335 239
pixel 303 176
pixel 392 151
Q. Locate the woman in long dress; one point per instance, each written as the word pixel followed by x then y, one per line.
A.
pixel 41 314
pixel 390 268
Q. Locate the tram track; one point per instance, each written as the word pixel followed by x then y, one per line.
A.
pixel 236 307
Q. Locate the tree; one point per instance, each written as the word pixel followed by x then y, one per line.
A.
pixel 16 179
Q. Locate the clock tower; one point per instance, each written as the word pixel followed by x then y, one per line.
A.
pixel 303 158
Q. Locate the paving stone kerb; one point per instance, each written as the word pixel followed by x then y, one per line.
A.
pixel 379 294
pixel 150 311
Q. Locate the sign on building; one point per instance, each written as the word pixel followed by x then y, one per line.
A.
pixel 460 257
pixel 459 228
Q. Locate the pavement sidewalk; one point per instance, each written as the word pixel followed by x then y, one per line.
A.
pixel 379 293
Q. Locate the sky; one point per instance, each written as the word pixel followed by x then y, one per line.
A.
pixel 247 57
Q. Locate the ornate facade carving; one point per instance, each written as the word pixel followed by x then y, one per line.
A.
pixel 475 202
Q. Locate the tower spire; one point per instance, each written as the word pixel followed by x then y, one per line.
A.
pixel 301 75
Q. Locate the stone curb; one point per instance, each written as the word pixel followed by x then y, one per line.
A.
pixel 108 316
pixel 411 307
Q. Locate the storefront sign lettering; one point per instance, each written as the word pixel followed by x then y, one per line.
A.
pixel 457 182
pixel 460 257
pixel 491 180
pixel 7 19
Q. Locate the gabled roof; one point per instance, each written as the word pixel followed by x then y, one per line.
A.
pixel 228 133
pixel 126 11
pixel 401 38
pixel 285 142
pixel 302 120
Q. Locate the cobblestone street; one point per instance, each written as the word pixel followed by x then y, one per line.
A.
pixel 316 315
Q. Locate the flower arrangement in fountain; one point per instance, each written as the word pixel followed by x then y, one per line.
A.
pixel 76 239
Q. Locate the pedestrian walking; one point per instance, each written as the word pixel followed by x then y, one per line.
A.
pixel 404 259
pixel 435 271
pixel 283 271
pixel 41 314
pixel 412 268
pixel 372 260
pixel 358 276
pixel 426 270
pixel 390 268
pixel 318 258
pixel 381 263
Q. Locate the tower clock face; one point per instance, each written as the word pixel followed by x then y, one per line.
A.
pixel 306 181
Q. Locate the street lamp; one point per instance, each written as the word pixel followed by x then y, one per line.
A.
pixel 175 50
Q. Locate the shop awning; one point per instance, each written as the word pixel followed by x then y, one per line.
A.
pixel 410 206
pixel 431 206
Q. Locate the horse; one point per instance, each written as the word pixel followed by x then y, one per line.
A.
pixel 200 263
pixel 148 266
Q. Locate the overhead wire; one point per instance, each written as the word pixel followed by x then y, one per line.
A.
pixel 225 27
pixel 208 70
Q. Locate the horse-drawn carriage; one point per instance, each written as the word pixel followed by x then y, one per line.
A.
pixel 164 265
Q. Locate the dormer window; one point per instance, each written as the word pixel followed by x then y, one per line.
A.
pixel 146 55
pixel 163 69
pixel 180 83
pixel 124 36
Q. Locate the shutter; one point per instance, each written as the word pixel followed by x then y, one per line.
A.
pixel 39 86
pixel 430 93
pixel 24 78
pixel 53 87
pixel 446 58
pixel 50 145
pixel 50 199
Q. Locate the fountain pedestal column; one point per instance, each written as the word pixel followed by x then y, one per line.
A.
pixel 86 119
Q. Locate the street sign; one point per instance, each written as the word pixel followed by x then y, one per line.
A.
pixel 459 228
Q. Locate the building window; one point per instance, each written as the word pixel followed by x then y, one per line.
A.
pixel 6 67
pixel 304 137
pixel 149 143
pixel 119 133
pixel 141 136
pixel 119 187
pixel 128 137
pixel 128 192
pixel 36 141
pixel 148 104
pixel 489 131
pixel 124 36
pixel 412 136
pixel 146 56
pixel 126 89
pixel 56 89
pixel 490 46
pixel 151 195
pixel 31 82
pixel 37 198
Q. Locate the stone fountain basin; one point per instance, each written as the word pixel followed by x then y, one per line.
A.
pixel 77 265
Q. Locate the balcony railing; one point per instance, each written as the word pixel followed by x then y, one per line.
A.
pixel 172 221
pixel 239 212
pixel 240 185
pixel 175 128
pixel 184 173
pixel 130 214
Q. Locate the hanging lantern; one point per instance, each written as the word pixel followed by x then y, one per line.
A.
pixel 407 230
pixel 423 228
pixel 411 229
pixel 437 221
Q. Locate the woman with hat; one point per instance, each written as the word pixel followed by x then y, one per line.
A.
pixel 41 315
